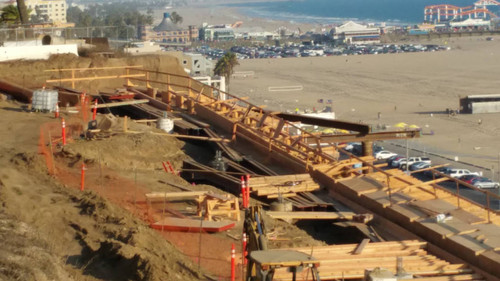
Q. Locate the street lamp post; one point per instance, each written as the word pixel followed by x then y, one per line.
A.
pixel 498 170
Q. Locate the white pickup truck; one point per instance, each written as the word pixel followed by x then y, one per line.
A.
pixel 411 160
pixel 456 173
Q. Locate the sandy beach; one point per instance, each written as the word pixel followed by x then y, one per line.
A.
pixel 213 13
pixel 415 88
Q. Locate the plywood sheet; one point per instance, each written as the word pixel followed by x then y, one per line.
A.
pixel 448 228
pixel 363 185
pixel 408 211
pixel 470 243
pixel 434 206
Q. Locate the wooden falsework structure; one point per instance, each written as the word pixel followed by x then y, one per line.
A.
pixel 471 235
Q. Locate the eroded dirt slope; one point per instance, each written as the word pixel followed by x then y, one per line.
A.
pixel 52 232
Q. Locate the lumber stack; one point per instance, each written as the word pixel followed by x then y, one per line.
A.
pixel 209 205
pixel 350 261
pixel 286 186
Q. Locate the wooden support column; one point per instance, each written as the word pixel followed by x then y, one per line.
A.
pixel 280 126
pixel 190 106
pixel 179 101
pixel 367 151
pixel 235 127
pixel 262 120
pixel 243 118
pixel 152 92
pixel 190 90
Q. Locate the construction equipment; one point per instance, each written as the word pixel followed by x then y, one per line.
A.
pixel 262 264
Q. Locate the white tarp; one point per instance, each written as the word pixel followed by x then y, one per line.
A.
pixel 35 52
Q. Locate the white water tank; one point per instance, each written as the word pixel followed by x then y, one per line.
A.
pixel 44 100
pixel 165 124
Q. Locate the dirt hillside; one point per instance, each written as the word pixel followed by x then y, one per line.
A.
pixel 52 232
pixel 33 74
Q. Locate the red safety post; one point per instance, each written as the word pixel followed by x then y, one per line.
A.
pixel 248 190
pixel 164 166
pixel 171 168
pixel 244 252
pixel 94 112
pixel 63 128
pixel 56 115
pixel 233 257
pixel 243 193
pixel 82 181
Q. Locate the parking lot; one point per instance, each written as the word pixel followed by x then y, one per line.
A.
pixel 464 191
pixel 299 50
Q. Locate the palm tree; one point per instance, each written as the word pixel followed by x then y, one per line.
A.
pixel 225 66
pixel 10 14
pixel 23 11
pixel 176 18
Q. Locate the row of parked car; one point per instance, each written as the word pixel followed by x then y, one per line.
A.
pixel 419 163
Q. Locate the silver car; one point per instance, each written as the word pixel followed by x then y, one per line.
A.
pixel 485 183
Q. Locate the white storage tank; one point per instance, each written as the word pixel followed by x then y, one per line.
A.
pixel 44 100
pixel 165 124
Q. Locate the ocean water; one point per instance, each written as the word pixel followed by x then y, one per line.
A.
pixel 399 12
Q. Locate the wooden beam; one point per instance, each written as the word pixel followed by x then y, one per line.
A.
pixel 93 68
pixel 361 246
pixel 93 78
pixel 174 195
pixel 121 103
pixel 192 137
pixel 311 215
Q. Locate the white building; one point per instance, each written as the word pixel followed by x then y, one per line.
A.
pixel 471 24
pixel 354 33
pixel 55 10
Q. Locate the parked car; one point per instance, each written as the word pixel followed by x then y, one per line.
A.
pixel 468 178
pixel 392 159
pixel 384 154
pixel 457 173
pixel 377 148
pixel 395 163
pixel 419 166
pixel 431 173
pixel 411 160
pixel 484 183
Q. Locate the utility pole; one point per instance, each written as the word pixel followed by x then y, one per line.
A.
pixel 408 156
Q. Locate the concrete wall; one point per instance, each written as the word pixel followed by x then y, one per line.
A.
pixel 35 52
pixel 486 107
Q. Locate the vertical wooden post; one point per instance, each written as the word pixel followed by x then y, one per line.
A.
pixel 73 78
pixel 390 191
pixel 125 129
